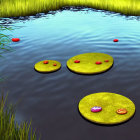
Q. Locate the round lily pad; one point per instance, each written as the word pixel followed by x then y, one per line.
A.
pixel 110 103
pixel 47 66
pixel 90 63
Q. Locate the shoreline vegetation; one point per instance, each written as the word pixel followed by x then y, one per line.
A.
pixel 16 8
pixel 5 40
pixel 9 129
pixel 4 44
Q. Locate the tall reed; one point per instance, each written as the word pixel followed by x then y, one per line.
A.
pixel 13 8
pixel 5 40
pixel 4 43
pixel 9 129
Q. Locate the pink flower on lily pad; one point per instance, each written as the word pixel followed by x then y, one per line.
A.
pixel 96 109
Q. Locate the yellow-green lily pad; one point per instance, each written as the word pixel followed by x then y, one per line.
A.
pixel 87 64
pixel 51 66
pixel 110 103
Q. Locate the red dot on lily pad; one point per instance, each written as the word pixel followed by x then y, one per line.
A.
pixel 106 60
pixel 15 39
pixel 98 62
pixel 54 64
pixel 77 61
pixel 115 40
pixel 45 62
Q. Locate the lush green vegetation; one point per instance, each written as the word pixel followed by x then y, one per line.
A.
pixel 13 8
pixel 9 129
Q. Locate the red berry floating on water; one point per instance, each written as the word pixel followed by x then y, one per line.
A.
pixel 77 61
pixel 54 64
pixel 115 40
pixel 98 62
pixel 106 60
pixel 45 62
pixel 15 39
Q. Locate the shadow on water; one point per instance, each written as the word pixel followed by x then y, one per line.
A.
pixel 106 125
pixel 91 74
pixel 46 72
pixel 75 72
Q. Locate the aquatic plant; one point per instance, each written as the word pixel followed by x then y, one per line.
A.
pixel 15 8
pixel 9 129
pixel 4 40
pixel 4 43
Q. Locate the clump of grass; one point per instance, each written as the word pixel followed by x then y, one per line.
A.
pixel 4 43
pixel 9 129
pixel 15 8
pixel 5 40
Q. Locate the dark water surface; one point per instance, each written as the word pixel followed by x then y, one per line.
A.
pixel 51 100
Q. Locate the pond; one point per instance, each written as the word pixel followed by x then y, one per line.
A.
pixel 51 100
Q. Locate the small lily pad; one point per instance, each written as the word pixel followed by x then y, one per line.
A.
pixel 47 66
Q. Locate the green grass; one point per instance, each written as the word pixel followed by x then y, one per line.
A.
pixel 4 43
pixel 5 40
pixel 13 8
pixel 9 129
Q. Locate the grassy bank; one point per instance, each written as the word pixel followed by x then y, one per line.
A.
pixel 13 8
pixel 9 129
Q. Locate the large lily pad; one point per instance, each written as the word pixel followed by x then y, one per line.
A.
pixel 110 103
pixel 88 64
